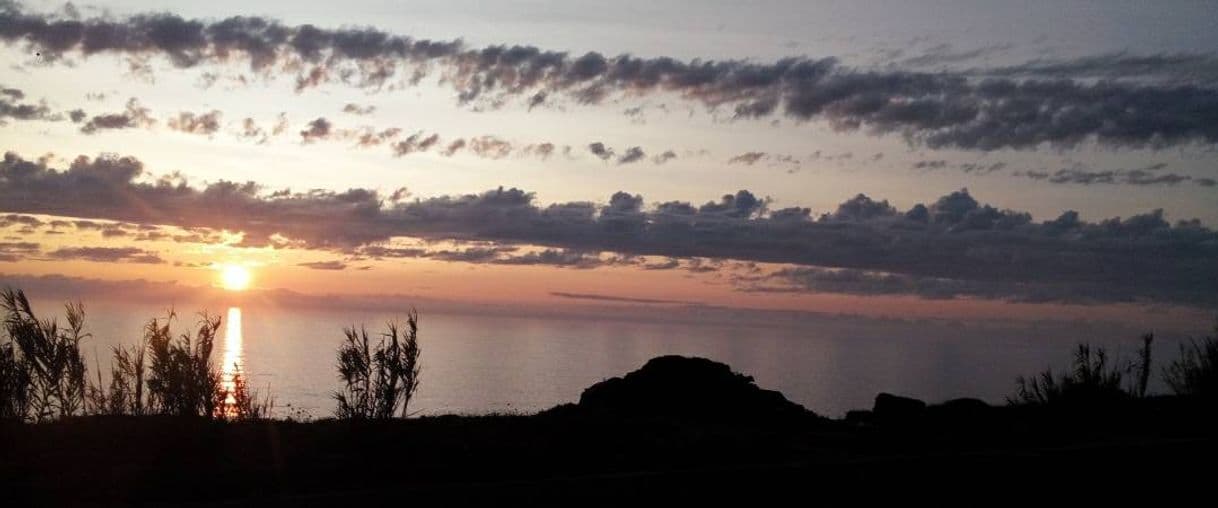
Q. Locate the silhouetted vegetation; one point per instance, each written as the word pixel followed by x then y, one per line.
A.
pixel 1091 379
pixel 378 379
pixel 43 369
pixel 43 373
pixel 182 380
pixel 1195 373
pixel 126 394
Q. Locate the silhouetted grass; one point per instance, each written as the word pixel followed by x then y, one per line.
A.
pixel 41 364
pixel 43 373
pixel 244 403
pixel 1091 379
pixel 378 379
pixel 1195 373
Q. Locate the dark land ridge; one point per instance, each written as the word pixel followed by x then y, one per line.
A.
pixel 677 430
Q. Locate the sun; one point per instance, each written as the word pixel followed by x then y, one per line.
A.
pixel 235 277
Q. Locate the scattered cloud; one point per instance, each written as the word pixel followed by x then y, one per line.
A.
pixel 107 255
pixel 947 109
pixel 205 124
pixel 134 116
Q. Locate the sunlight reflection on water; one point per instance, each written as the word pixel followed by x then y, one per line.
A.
pixel 232 350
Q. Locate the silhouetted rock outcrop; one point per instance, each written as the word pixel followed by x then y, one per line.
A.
pixel 894 408
pixel 684 387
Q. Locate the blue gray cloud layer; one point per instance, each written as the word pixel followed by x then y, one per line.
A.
pixel 954 246
pixel 939 110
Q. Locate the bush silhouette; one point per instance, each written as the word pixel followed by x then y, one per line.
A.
pixel 378 379
pixel 1091 379
pixel 182 380
pixel 42 372
pixel 1195 373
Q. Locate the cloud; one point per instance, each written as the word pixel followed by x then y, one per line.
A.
pixel 490 147
pixel 324 265
pixel 417 142
pixel 204 124
pixel 356 109
pixel 771 159
pixel 318 129
pixel 370 137
pixel 944 55
pixel 1145 176
pixel 1142 257
pixel 16 251
pixel 134 116
pixel 948 109
pixel 664 157
pixel 622 299
pixel 747 158
pixel 107 255
pixel 632 155
pixel 454 147
pixel 12 107
pixel 1173 68
pixel 600 151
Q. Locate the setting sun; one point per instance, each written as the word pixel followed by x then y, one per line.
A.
pixel 235 277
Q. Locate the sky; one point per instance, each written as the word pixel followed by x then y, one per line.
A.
pixel 928 159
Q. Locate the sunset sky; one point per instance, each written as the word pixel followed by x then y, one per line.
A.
pixel 978 159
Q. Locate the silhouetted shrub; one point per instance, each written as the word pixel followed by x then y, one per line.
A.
pixel 182 380
pixel 1142 368
pixel 1195 373
pixel 14 383
pixel 243 403
pixel 42 369
pixel 126 392
pixel 378 379
pixel 1091 380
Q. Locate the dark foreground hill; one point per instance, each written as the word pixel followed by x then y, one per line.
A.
pixel 676 432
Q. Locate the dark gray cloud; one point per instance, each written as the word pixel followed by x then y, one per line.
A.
pixel 1144 176
pixel 204 124
pixel 318 129
pixel 940 110
pixel 1179 68
pixel 11 106
pixel 770 159
pixel 632 155
pixel 107 255
pixel 977 168
pixel 747 158
pixel 1143 257
pixel 600 151
pixel 134 116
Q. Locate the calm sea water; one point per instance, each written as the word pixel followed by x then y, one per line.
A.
pixel 480 364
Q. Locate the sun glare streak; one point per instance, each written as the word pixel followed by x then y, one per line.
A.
pixel 235 277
